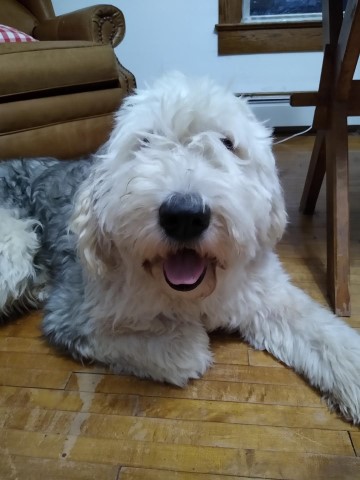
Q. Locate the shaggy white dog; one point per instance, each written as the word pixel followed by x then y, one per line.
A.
pixel 175 222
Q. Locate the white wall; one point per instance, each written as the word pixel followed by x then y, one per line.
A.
pixel 179 34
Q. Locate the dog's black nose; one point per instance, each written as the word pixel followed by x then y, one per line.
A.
pixel 184 216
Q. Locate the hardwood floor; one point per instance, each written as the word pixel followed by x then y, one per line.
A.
pixel 249 417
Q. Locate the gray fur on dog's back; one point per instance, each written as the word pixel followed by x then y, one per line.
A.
pixel 44 190
pixel 39 187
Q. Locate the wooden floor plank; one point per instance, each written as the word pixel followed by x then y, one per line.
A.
pixel 34 361
pixel 180 432
pixel 222 461
pixel 258 358
pixel 297 394
pixel 60 400
pixel 229 350
pixel 243 413
pixel 27 326
pixel 19 467
pixel 31 444
pixel 130 473
pixel 240 373
pixel 187 458
pixel 171 408
pixel 355 437
pixel 25 345
pixel 34 378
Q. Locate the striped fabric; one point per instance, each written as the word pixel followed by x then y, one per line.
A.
pixel 9 34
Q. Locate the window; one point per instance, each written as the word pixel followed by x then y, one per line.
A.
pixel 255 11
pixel 264 26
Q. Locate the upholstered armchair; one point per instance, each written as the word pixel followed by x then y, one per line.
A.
pixel 58 94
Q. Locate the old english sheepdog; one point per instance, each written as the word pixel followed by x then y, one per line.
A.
pixel 163 236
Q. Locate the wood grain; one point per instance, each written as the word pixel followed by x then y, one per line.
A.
pixel 234 39
pixel 129 473
pixel 230 11
pixel 179 432
pixel 30 468
pixel 334 100
pixel 207 390
pixel 355 437
pixel 237 37
pixel 180 457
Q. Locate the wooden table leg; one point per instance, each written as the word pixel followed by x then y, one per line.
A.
pixel 315 175
pixel 337 98
pixel 337 198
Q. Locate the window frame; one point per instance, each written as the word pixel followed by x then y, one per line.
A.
pixel 277 17
pixel 235 37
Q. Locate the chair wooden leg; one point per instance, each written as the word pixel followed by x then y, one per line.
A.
pixel 337 197
pixel 315 175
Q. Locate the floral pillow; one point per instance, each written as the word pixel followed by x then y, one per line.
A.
pixel 9 34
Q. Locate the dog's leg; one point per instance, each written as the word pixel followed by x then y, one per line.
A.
pixel 173 356
pixel 20 281
pixel 174 353
pixel 309 338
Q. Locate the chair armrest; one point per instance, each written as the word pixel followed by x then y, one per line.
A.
pixel 100 24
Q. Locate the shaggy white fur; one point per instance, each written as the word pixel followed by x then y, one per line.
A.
pixel 18 247
pixel 175 227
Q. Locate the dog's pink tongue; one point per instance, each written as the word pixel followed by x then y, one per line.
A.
pixel 184 267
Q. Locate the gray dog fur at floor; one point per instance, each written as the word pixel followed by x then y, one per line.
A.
pixel 44 189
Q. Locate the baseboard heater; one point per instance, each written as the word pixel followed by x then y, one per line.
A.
pixel 276 112
pixel 267 99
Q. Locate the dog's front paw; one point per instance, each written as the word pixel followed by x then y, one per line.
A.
pixel 175 357
pixel 177 370
pixel 174 368
pixel 185 368
pixel 182 355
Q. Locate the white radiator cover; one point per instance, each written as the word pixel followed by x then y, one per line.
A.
pixel 276 111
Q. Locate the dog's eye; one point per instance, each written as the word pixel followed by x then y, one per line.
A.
pixel 228 143
pixel 144 142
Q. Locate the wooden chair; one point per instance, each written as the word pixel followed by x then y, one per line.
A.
pixel 337 98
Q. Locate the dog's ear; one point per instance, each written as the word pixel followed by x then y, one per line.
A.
pixel 92 246
pixel 272 228
pixel 278 214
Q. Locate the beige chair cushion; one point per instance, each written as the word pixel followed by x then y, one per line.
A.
pixel 52 66
pixel 38 112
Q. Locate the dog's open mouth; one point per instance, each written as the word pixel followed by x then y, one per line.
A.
pixel 184 270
